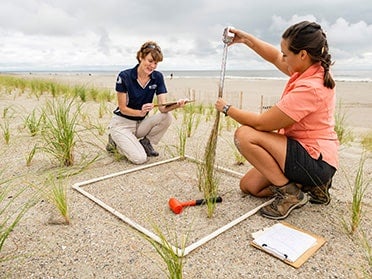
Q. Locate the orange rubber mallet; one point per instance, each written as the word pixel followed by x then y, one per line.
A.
pixel 176 206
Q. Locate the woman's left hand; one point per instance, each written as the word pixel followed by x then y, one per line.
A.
pixel 182 102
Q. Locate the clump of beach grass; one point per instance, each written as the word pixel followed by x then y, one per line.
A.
pixel 230 123
pixel 367 247
pixel 81 92
pixel 55 192
pixel 31 155
pixel 209 111
pixel 173 259
pixel 358 188
pixel 180 148
pixel 367 141
pixel 102 109
pixel 182 136
pixel 58 196
pixel 34 123
pixel 105 95
pixel 93 93
pixel 191 118
pixel 344 134
pixel 10 212
pixel 59 132
pixel 5 125
pixel 6 130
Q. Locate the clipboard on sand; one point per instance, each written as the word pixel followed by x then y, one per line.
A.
pixel 171 104
pixel 292 245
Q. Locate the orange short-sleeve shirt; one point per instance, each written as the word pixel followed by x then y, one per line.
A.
pixel 312 105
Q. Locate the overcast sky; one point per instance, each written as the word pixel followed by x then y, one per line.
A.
pixel 106 34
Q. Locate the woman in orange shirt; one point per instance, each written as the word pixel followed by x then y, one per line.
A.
pixel 302 155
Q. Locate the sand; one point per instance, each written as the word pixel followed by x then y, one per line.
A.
pixel 97 244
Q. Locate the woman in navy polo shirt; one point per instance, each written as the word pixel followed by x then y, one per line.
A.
pixel 131 131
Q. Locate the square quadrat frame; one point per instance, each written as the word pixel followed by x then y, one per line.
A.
pixel 178 251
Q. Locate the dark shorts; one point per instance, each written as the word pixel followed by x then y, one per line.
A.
pixel 301 168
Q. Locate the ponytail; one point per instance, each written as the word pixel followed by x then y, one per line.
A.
pixel 326 63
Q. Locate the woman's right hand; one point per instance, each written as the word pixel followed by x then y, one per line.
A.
pixel 240 37
pixel 146 108
pixel 237 35
pixel 220 103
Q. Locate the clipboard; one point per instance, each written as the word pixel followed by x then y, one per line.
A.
pixel 171 104
pixel 319 242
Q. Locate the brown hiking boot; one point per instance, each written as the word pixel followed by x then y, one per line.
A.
pixel 320 194
pixel 287 198
pixel 111 145
pixel 150 151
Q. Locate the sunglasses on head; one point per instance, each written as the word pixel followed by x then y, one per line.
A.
pixel 152 46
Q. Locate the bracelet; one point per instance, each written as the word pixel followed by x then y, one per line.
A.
pixel 226 109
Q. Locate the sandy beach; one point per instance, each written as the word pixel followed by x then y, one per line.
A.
pixel 97 244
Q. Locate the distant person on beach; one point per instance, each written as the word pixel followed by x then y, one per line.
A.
pixel 292 147
pixel 132 131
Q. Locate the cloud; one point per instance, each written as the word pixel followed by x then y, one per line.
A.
pixel 52 34
pixel 353 36
pixel 279 24
pixel 37 17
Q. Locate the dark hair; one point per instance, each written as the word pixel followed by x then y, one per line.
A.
pixel 309 36
pixel 150 47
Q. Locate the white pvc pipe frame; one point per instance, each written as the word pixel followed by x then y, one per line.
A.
pixel 180 252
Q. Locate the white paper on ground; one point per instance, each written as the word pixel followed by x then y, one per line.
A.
pixel 285 242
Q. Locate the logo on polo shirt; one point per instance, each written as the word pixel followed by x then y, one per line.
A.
pixel 118 80
pixel 153 86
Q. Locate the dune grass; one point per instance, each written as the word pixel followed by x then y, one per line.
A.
pixel 182 136
pixel 31 155
pixel 55 191
pixel 5 124
pixel 344 133
pixel 367 248
pixel 367 141
pixel 59 132
pixel 34 123
pixel 11 212
pixel 38 87
pixel 358 188
pixel 191 118
pixel 171 258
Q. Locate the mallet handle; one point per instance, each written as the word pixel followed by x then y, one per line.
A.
pixel 188 203
pixel 204 201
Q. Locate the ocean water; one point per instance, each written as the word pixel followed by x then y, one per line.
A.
pixel 339 75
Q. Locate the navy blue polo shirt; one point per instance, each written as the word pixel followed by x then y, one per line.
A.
pixel 127 83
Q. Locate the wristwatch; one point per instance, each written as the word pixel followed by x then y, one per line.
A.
pixel 225 109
